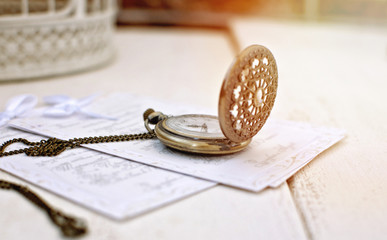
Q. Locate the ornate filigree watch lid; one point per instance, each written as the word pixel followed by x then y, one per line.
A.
pixel 248 93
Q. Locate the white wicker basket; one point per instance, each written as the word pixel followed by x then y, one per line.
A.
pixel 40 38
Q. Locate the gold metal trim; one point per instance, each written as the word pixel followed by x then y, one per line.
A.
pixel 196 144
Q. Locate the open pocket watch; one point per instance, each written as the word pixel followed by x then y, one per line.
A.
pixel 245 102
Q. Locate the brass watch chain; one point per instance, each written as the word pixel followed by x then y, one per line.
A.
pixel 70 226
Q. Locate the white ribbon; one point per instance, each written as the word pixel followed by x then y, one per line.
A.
pixel 64 106
pixel 17 106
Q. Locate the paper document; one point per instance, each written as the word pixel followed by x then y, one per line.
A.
pixel 109 185
pixel 279 150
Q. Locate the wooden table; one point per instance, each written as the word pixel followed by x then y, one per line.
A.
pixel 332 75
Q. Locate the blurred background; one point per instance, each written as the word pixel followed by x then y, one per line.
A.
pixel 218 12
pixel 40 38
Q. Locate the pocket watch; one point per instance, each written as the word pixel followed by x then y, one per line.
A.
pixel 246 99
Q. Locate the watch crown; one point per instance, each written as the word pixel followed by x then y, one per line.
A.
pixel 152 117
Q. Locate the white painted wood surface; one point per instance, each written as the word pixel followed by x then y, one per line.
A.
pixel 174 64
pixel 334 75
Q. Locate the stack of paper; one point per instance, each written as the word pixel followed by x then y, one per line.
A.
pixel 127 178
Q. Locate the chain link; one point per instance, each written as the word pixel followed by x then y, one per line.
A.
pixel 55 146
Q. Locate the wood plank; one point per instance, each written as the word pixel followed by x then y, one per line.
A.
pixel 333 75
pixel 174 64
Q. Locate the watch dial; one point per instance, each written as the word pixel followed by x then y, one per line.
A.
pixel 200 126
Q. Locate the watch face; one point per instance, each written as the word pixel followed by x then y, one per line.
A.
pixel 195 126
pixel 197 134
